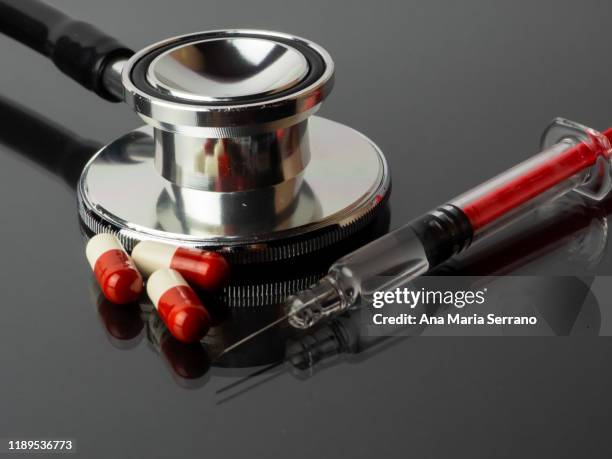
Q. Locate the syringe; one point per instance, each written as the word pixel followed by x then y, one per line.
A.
pixel 573 158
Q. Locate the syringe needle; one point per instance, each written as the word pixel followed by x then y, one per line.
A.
pixel 302 309
pixel 254 334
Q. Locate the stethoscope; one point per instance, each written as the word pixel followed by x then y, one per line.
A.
pixel 250 286
pixel 232 156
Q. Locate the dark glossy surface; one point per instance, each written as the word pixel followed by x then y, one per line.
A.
pixel 476 84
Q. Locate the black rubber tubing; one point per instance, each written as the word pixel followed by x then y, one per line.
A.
pixel 78 49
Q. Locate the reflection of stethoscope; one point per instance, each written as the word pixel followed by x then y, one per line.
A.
pixel 231 157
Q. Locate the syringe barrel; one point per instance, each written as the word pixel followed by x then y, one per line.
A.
pixel 514 193
pixel 436 236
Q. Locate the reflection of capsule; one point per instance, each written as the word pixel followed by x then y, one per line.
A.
pixel 188 362
pixel 122 323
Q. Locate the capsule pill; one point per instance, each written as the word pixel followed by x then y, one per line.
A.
pixel 178 305
pixel 201 268
pixel 114 270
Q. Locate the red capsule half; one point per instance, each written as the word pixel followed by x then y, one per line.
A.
pixel 201 268
pixel 178 305
pixel 115 272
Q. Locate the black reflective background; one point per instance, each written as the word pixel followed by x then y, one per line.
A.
pixel 453 92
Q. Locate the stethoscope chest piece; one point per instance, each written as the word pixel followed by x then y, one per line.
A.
pixel 231 157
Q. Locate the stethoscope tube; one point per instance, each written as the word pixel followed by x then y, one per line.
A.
pixel 77 48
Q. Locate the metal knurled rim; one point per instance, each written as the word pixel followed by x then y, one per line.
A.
pixel 261 293
pixel 273 251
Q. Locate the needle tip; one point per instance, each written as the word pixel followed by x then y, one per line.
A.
pixel 250 337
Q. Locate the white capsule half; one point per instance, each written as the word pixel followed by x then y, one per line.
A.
pixel 178 306
pixel 150 256
pixel 100 244
pixel 161 281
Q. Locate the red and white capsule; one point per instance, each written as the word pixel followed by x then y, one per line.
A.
pixel 115 272
pixel 201 268
pixel 178 305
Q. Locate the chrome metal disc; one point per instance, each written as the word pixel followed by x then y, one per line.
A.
pixel 227 83
pixel 226 69
pixel 341 190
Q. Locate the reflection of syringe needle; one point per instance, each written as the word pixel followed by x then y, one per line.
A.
pixel 574 158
